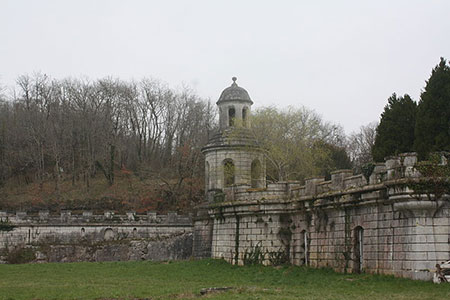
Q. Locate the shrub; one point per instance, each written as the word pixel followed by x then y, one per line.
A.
pixel 253 255
pixel 20 256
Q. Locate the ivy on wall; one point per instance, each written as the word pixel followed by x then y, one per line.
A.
pixel 436 177
pixel 6 226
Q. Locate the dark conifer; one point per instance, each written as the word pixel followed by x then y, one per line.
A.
pixel 432 130
pixel 395 133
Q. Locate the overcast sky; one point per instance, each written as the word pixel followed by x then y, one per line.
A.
pixel 341 58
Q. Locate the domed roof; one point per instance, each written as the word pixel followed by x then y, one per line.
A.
pixel 234 93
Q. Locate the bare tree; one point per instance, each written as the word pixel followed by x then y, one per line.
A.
pixel 68 130
pixel 359 145
pixel 294 140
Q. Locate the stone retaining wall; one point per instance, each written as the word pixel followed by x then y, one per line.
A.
pixel 349 223
pixel 88 237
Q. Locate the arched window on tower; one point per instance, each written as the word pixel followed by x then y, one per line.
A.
pixel 231 116
pixel 245 117
pixel 228 172
pixel 256 173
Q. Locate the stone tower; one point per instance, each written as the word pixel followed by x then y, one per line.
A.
pixel 232 156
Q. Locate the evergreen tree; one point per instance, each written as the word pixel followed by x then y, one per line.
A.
pixel 395 133
pixel 432 131
pixel 330 158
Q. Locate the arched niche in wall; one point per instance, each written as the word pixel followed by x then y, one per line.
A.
pixel 358 245
pixel 228 172
pixel 256 173
pixel 108 234
pixel 304 247
pixel 231 115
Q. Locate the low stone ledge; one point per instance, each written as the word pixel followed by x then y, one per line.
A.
pixel 354 181
pixel 418 208
pixel 324 187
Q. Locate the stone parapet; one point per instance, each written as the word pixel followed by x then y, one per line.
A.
pixel 67 217
pixel 394 168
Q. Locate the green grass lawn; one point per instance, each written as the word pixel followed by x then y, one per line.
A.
pixel 185 279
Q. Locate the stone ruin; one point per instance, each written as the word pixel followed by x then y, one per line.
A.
pixel 350 223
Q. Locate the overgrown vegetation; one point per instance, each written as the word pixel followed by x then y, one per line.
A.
pixel 20 255
pixel 6 225
pixel 127 193
pixel 278 258
pixel 436 181
pixel 253 255
pixel 185 280
pixel 367 170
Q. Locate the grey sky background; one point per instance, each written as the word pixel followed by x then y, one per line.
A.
pixel 341 58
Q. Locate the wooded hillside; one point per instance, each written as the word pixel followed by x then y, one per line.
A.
pixel 85 136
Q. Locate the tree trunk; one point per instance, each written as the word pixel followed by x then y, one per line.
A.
pixel 112 151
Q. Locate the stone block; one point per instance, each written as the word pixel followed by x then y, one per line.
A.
pixel 43 215
pixel 436 238
pixel 21 215
pixel 311 185
pixel 441 221
pixel 354 181
pixel 393 166
pixel 416 255
pixel 421 275
pixel 109 214
pixel 378 174
pixel 437 256
pixel 337 178
pixel 130 215
pixel 66 215
pixel 87 214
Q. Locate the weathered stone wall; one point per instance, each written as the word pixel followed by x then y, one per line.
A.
pixel 89 237
pixel 202 238
pixel 348 223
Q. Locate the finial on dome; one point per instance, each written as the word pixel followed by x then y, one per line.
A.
pixel 234 80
